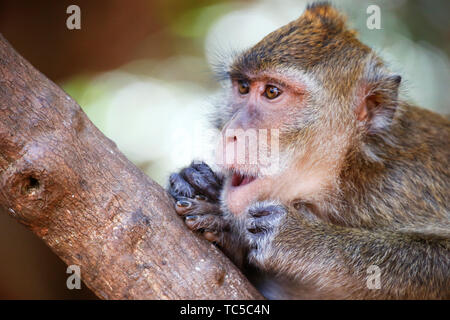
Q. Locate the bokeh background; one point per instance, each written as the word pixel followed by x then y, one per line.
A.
pixel 141 71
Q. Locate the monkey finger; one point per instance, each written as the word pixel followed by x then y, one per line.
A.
pixel 179 187
pixel 201 183
pixel 200 197
pixel 205 222
pixel 211 236
pixel 261 210
pixel 263 217
pixel 212 177
pixel 197 206
pixel 261 225
pixel 183 207
pixel 191 222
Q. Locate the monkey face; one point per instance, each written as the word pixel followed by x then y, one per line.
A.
pixel 264 107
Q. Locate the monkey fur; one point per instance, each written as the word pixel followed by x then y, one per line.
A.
pixel 364 177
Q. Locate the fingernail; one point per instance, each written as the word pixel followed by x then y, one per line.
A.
pixel 261 213
pixel 255 230
pixel 200 197
pixel 191 218
pixel 210 236
pixel 183 204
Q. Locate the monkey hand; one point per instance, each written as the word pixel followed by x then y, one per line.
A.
pixel 262 222
pixel 196 189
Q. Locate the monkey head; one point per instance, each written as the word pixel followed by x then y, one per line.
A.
pixel 308 94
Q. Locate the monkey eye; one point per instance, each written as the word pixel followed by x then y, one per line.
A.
pixel 271 92
pixel 243 87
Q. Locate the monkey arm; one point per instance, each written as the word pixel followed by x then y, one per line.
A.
pixel 340 260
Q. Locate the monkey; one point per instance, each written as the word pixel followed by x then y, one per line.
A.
pixel 361 187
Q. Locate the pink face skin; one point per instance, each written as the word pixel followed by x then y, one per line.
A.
pixel 262 102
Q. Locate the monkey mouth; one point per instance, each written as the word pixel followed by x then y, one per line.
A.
pixel 238 180
pixel 241 189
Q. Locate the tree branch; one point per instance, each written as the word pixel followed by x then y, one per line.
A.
pixel 61 177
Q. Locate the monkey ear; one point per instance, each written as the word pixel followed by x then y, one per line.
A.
pixel 378 106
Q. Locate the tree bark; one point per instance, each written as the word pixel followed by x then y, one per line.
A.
pixel 61 177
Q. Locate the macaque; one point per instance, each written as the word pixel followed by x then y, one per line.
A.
pixel 357 203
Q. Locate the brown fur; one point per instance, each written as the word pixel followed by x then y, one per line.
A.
pixel 369 177
pixel 388 204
